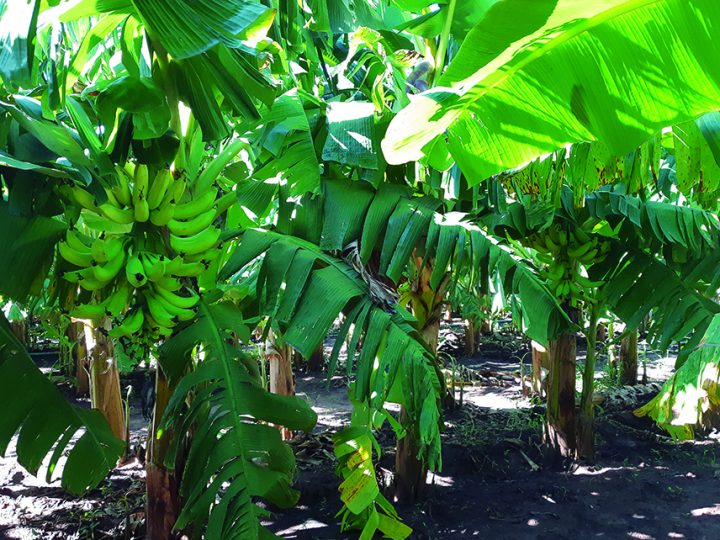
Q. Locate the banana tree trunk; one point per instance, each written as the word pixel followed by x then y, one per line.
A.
pixel 611 352
pixel 629 359
pixel 560 428
pixel 540 362
pixel 316 361
pixel 20 329
pixel 76 333
pixel 162 485
pixel 282 382
pixel 486 328
pixel 601 333
pixel 586 417
pixel 410 469
pixel 104 376
pixel 469 337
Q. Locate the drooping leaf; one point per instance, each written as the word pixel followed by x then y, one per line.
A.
pixel 27 245
pixel 231 439
pixel 18 22
pixel 28 396
pixel 692 391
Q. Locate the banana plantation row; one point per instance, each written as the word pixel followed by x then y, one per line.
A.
pixel 183 179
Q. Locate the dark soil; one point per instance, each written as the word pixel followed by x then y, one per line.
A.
pixel 31 508
pixel 639 488
pixel 494 483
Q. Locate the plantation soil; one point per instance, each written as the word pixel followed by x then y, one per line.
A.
pixel 494 483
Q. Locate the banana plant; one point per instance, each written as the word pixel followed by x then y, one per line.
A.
pixel 608 251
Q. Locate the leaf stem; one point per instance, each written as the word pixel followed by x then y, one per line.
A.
pixel 442 47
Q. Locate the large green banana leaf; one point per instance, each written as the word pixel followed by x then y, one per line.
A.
pixel 303 289
pixel 211 47
pixel 535 75
pixel 224 408
pixel 46 423
pixel 17 30
pixel 185 28
pixel 27 246
pixel 692 391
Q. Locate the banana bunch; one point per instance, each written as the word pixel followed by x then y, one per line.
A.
pixel 98 260
pixel 566 255
pixel 157 236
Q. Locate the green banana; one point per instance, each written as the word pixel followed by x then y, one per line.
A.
pixel 140 185
pixel 575 290
pixel 82 198
pixel 578 250
pixel 206 257
pixel 97 249
pixel 129 168
pixel 111 199
pixel 107 248
pixel 545 258
pixel 563 238
pixel 196 206
pixel 88 311
pixel 538 245
pixel 75 256
pixel 179 187
pixel 153 265
pixel 563 289
pixel 586 282
pixel 554 233
pixel 89 283
pixel 106 272
pixel 581 236
pixel 191 226
pixel 225 202
pixel 141 210
pixel 135 272
pixel 183 269
pixel 118 301
pixel 589 257
pixel 177 313
pixel 164 213
pixel 555 272
pixel 131 324
pixel 180 302
pixel 121 189
pixel 77 240
pixel 159 187
pixel 169 283
pixel 158 329
pixel 76 276
pixel 158 311
pixel 550 244
pixel 198 243
pixel 122 216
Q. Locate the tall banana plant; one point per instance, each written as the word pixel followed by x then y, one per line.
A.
pixel 657 247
